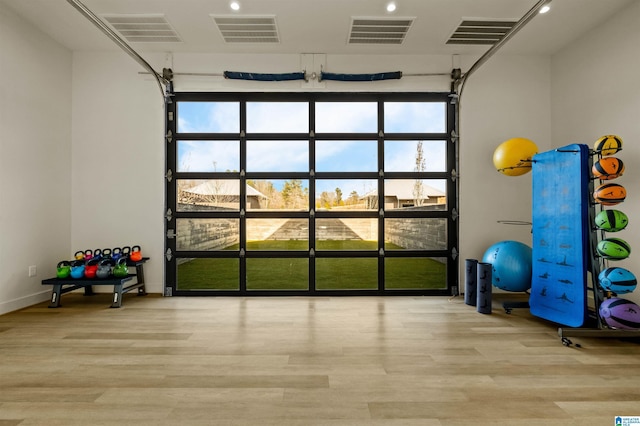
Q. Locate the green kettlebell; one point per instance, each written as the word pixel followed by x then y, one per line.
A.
pixel 63 269
pixel 121 270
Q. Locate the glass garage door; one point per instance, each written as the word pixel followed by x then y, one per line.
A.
pixel 310 194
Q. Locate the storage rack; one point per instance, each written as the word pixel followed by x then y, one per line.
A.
pixel 595 327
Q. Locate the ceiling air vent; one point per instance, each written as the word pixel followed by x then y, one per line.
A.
pixel 247 29
pixel 379 31
pixel 143 28
pixel 480 31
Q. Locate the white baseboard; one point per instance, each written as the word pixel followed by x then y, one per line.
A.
pixel 23 302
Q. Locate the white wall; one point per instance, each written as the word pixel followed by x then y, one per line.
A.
pixel 507 97
pixel 35 165
pixel 596 91
pixel 117 159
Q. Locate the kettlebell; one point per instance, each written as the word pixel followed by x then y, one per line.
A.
pixel 97 253
pixel 90 268
pixel 121 270
pixel 79 255
pixel 126 251
pixel 136 254
pixel 104 268
pixel 88 254
pixel 106 252
pixel 77 269
pixel 63 269
pixel 116 253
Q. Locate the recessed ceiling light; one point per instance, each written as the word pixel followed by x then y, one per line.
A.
pixel 545 8
pixel 391 7
pixel 234 5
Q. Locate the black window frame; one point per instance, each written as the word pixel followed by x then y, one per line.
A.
pixel 172 176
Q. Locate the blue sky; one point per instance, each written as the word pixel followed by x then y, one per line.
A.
pixel 293 156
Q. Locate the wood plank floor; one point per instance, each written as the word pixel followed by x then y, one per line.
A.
pixel 304 361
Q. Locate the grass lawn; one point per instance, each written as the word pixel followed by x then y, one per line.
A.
pixel 293 273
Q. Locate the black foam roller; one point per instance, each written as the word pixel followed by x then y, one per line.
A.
pixel 470 281
pixel 483 300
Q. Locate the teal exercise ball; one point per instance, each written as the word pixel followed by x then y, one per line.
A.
pixel 510 265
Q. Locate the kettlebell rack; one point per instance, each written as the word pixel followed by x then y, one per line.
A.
pixel 120 285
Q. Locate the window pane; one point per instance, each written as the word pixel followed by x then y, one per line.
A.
pixel 208 274
pixel 278 156
pixel 415 194
pixel 415 156
pixel 415 234
pixel 207 234
pixel 277 234
pixel 292 194
pixel 208 117
pixel 346 273
pixel 346 117
pixel 277 117
pixel 346 156
pixel 405 273
pixel 277 274
pixel 415 117
pixel 208 156
pixel 347 234
pixel 200 195
pixel 346 194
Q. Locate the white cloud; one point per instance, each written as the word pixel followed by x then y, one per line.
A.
pixel 208 156
pixel 400 156
pixel 346 117
pixel 278 156
pixel 277 117
pixel 418 117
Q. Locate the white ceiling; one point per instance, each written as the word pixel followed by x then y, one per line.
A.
pixel 322 26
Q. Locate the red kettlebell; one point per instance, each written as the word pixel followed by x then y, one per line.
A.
pixel 136 254
pixel 90 268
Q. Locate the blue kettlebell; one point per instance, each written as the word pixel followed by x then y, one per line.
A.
pixel 77 269
pixel 116 253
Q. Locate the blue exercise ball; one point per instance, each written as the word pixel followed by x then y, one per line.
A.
pixel 510 265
